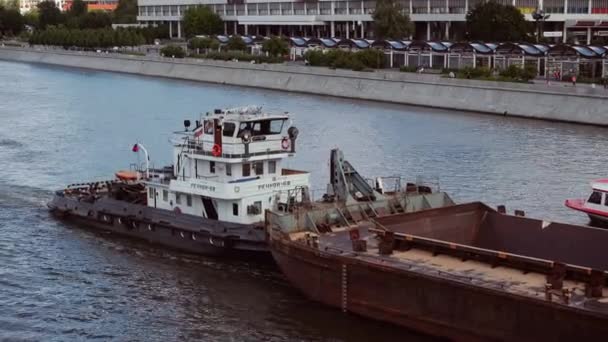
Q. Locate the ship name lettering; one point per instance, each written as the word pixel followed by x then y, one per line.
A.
pixel 203 187
pixel 274 185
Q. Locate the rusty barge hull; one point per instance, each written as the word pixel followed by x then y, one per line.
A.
pixel 463 298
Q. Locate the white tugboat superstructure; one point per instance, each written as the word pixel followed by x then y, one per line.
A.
pixel 230 167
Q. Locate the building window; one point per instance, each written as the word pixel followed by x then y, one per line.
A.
pixel 272 166
pixel 235 209
pixel 178 198
pixel 189 200
pixel 252 9
pixel 246 170
pixel 258 167
pixel 595 198
pixel 212 167
pixel 228 169
pixel 165 195
pixel 151 192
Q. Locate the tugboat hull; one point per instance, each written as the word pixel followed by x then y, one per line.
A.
pixel 183 232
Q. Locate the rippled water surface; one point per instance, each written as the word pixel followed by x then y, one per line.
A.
pixel 58 126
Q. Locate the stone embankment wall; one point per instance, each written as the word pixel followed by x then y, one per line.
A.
pixel 580 105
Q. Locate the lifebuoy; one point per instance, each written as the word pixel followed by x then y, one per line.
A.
pixel 216 151
pixel 285 143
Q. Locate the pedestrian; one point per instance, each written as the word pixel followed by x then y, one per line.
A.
pixel 573 78
pixel 605 82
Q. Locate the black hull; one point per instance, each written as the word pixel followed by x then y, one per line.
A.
pixel 182 232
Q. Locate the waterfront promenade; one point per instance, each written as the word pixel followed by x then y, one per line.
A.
pixel 555 101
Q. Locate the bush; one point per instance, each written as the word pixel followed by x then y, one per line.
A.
pixel 173 51
pixel 340 59
pixel 515 72
pixel 205 43
pixel 475 73
pixel 275 46
pixel 240 56
pixel 236 43
pixel 408 68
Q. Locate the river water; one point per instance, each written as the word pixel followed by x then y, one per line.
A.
pixel 58 126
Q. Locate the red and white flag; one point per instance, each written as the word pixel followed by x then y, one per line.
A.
pixel 198 132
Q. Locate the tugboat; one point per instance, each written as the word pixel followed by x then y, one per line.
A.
pixel 225 173
pixel 596 206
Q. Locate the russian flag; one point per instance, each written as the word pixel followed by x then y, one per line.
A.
pixel 198 132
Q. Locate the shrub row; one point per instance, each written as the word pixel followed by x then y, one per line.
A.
pixel 88 38
pixel 172 51
pixel 239 56
pixel 360 60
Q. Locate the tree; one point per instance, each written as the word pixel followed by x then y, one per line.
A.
pixel 201 20
pixel 236 43
pixel 203 44
pixel 275 46
pixel 78 8
pixel 31 18
pixel 9 4
pixel 493 22
pixel 95 19
pixel 390 21
pixel 126 12
pixel 49 14
pixel 11 21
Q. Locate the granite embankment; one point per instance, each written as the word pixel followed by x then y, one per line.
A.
pixel 582 104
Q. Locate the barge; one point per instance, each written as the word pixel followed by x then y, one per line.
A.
pixel 464 272
pixel 226 172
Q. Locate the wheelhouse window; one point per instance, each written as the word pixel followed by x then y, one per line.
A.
pixel 595 198
pixel 272 166
pixel 229 129
pixel 263 127
pixel 208 127
pixel 246 170
pixel 235 209
pixel 165 195
pixel 258 167
pixel 212 167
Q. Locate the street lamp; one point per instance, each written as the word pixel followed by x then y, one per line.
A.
pixel 540 17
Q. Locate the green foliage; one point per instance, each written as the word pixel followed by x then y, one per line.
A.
pixel 390 21
pixel 126 12
pixel 201 20
pixel 173 51
pixel 95 19
pixel 239 56
pixel 408 68
pixel 205 43
pixel 49 14
pixel 10 4
pixel 78 8
pixel 88 38
pixel 11 21
pixel 516 72
pixel 31 18
pixel 493 22
pixel 236 43
pixel 275 46
pixel 151 33
pixel 360 60
pixel 475 73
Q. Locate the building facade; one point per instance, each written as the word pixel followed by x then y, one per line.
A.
pixel 570 20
